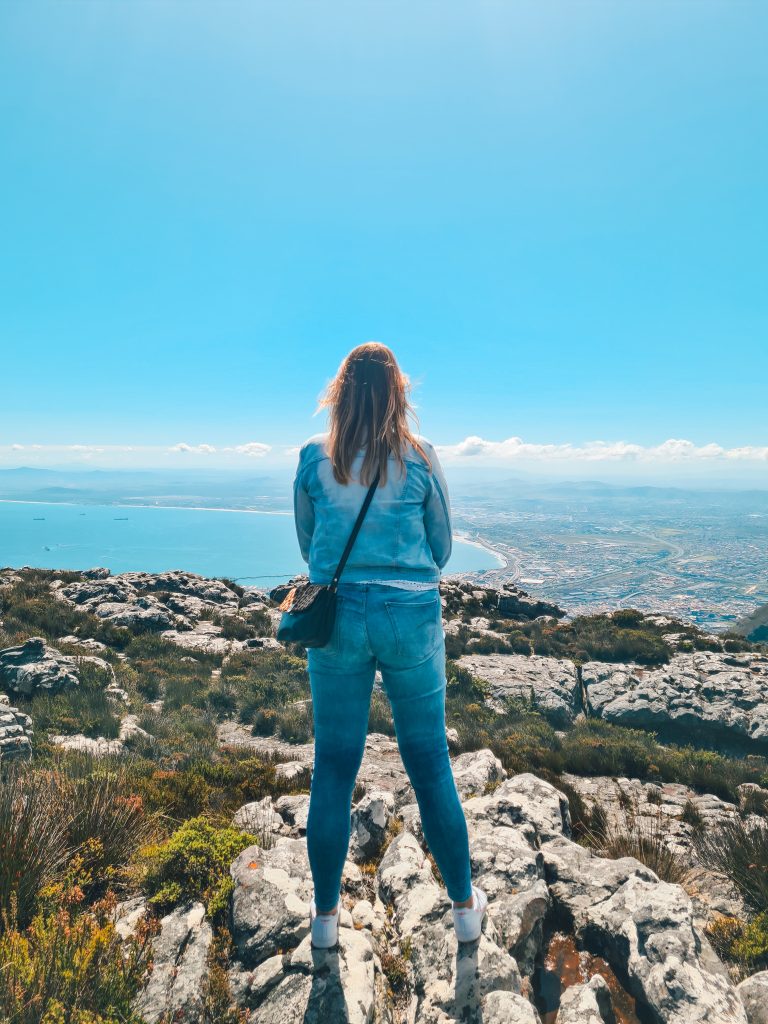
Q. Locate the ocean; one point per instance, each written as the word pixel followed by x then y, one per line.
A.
pixel 254 547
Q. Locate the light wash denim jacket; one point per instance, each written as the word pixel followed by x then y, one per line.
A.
pixel 406 533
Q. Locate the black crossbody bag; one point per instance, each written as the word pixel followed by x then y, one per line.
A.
pixel 309 609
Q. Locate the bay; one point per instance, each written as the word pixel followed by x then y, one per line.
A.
pixel 252 546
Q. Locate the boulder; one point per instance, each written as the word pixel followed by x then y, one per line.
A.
pixel 259 817
pixel 475 771
pixel 587 1004
pixel 644 928
pixel 316 986
pixel 754 995
pixel 369 822
pixel 34 667
pixel 205 637
pixel 270 902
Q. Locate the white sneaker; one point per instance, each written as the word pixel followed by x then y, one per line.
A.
pixel 468 921
pixel 324 928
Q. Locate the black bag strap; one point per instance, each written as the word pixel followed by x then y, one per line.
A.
pixel 355 531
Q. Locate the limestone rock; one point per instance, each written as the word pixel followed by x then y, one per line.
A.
pixel 15 732
pixel 644 928
pixel 700 695
pixel 33 667
pixel 754 994
pixel 586 1004
pixel 316 986
pixel 552 682
pixel 452 981
pixel 270 902
pixel 259 818
pixel 370 817
pixel 204 636
pixel 476 770
pixel 180 952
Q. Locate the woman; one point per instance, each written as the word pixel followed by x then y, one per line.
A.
pixel 389 615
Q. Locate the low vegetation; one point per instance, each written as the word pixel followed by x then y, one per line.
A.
pixel 192 864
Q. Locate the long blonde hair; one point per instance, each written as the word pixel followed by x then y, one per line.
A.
pixel 369 406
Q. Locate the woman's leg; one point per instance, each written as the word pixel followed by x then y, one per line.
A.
pixel 420 727
pixel 341 699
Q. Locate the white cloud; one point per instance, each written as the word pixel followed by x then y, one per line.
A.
pixel 254 449
pixel 671 450
pixel 199 449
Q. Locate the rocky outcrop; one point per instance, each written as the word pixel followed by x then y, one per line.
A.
pixel 34 667
pixel 399 919
pixel 143 601
pixel 514 603
pixel 704 695
pixel 587 1004
pixel 15 732
pixel 644 928
pixel 551 683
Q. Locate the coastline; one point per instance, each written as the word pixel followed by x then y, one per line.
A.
pixel 118 504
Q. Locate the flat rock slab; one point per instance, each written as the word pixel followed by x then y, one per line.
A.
pixel 552 683
pixel 703 695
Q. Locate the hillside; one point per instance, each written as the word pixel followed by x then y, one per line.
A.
pixel 156 744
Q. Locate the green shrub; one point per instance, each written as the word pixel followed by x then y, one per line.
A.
pixel 107 821
pixel 193 864
pixel 28 608
pixel 84 710
pixel 235 628
pixel 380 715
pixel 743 943
pixel 751 947
pixel 294 723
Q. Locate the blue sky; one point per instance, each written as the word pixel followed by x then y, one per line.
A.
pixel 556 214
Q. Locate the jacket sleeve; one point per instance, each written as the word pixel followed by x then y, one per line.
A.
pixel 437 513
pixel 303 511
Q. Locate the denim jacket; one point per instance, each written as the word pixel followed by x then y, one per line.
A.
pixel 406 533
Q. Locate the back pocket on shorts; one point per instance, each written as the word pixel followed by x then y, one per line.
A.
pixel 417 626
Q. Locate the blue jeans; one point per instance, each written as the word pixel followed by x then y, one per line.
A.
pixel 402 632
